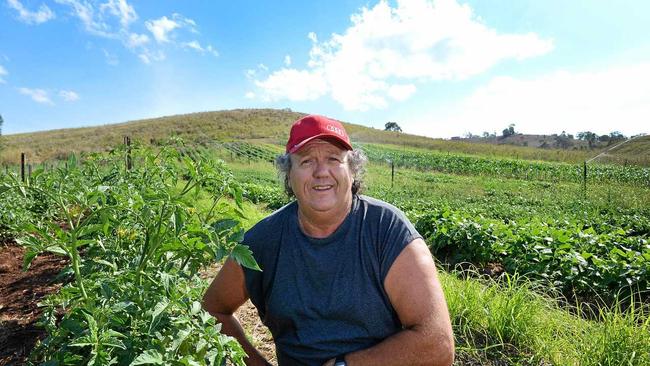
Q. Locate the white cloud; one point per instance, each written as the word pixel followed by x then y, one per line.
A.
pixel 111 58
pixel 212 50
pixel 185 22
pixel 68 95
pixel 287 60
pixel 401 92
pixel 92 23
pixel 387 50
pixel 297 85
pixel 194 45
pixel 31 17
pixel 135 40
pixel 148 56
pixel 38 95
pixel 111 19
pixel 601 101
pixel 250 95
pixel 3 73
pixel 122 10
pixel 162 28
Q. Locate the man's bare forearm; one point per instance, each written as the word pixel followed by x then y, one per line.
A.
pixel 231 326
pixel 408 347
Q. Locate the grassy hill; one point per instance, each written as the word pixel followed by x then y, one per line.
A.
pixel 262 125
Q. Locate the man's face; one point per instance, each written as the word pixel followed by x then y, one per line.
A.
pixel 320 177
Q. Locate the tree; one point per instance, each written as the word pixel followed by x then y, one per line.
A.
pixel 588 136
pixel 509 131
pixel 392 126
pixel 615 137
pixel 562 140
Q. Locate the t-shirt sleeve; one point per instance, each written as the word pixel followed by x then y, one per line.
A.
pixel 398 232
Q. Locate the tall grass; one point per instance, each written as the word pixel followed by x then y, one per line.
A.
pixel 507 320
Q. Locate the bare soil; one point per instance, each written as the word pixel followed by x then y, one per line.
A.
pixel 258 333
pixel 20 292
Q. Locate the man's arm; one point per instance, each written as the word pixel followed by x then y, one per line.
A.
pixel 415 292
pixel 226 294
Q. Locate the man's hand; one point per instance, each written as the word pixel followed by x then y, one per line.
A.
pixel 330 362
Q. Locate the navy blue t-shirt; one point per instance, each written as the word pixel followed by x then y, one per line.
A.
pixel 325 297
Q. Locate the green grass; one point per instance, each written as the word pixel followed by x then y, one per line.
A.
pixel 507 321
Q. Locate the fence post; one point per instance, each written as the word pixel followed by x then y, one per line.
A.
pixel 127 142
pixel 392 173
pixel 584 179
pixel 29 172
pixel 22 167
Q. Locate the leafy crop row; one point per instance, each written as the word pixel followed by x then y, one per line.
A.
pixel 589 258
pixel 507 168
pixel 250 151
pixel 136 245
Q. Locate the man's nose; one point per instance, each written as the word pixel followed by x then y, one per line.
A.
pixel 320 169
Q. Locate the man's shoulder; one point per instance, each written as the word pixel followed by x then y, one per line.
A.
pixel 377 206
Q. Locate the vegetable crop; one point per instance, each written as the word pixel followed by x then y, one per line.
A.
pixel 136 245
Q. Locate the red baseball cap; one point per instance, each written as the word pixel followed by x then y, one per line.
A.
pixel 313 127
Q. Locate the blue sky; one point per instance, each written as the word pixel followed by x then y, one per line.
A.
pixel 438 68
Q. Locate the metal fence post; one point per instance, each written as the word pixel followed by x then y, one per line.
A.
pixel 22 167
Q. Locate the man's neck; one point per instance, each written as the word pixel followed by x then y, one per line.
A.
pixel 322 224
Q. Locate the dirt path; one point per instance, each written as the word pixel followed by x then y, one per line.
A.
pixel 258 333
pixel 19 294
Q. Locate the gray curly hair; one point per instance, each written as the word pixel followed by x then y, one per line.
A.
pixel 356 161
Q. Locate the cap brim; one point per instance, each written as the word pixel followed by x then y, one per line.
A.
pixel 323 136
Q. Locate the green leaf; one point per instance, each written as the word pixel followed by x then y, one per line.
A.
pixel 28 258
pixel 148 357
pixel 57 249
pixel 178 340
pixel 157 311
pixel 196 307
pixel 244 256
pixel 223 225
pixel 237 236
pixel 84 341
pixel 106 263
pixel 90 229
pixel 4 189
pixel 92 325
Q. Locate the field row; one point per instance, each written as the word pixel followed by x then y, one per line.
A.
pixel 507 168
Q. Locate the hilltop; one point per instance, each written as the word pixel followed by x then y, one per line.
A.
pixel 261 125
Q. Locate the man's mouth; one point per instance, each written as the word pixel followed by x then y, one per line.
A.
pixel 322 187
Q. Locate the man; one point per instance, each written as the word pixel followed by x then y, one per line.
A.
pixel 346 279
